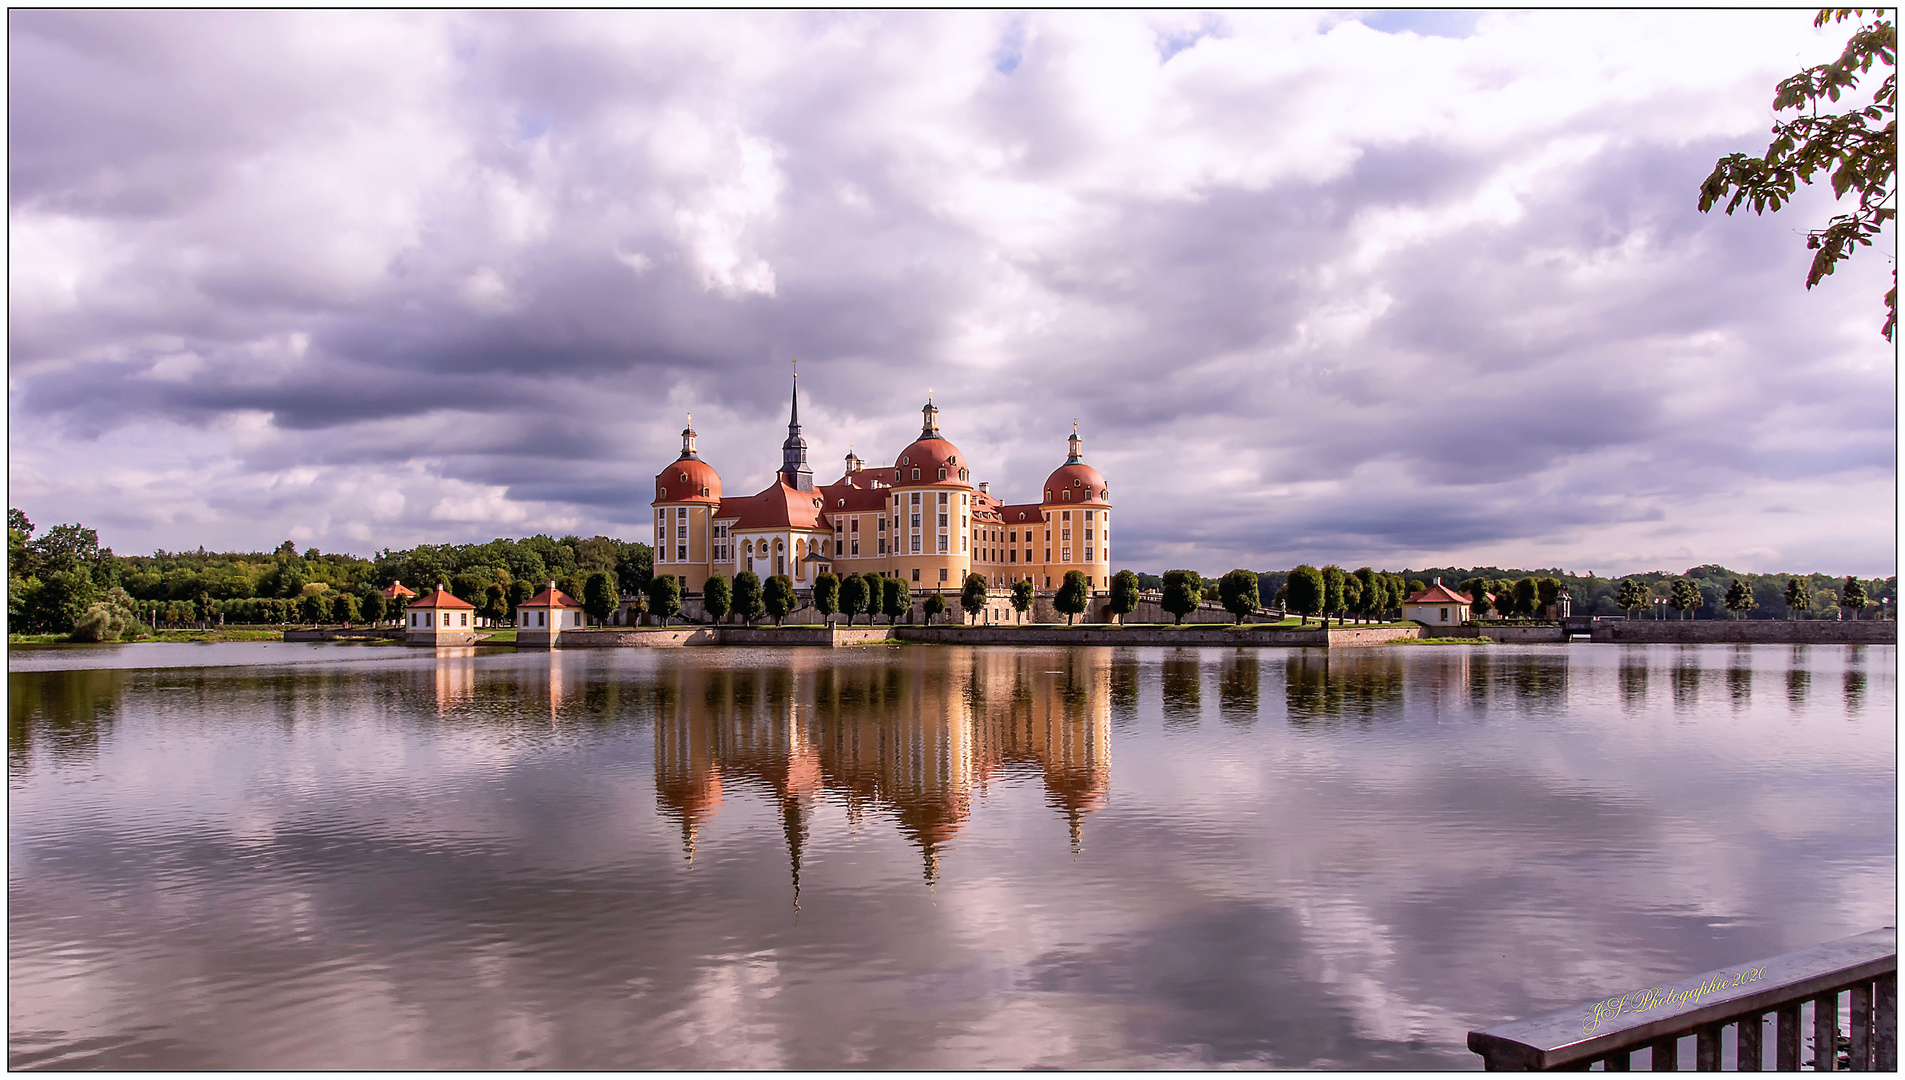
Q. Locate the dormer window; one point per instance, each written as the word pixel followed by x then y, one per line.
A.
pixel 684 478
pixel 942 474
pixel 962 474
pixel 916 474
pixel 1076 482
pixel 704 493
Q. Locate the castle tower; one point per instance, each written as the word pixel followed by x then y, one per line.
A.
pixel 794 471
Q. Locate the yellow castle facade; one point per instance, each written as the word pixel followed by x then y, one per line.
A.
pixel 924 520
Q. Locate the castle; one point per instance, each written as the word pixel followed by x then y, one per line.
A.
pixel 922 520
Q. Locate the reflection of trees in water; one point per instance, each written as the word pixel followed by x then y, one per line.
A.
pixel 910 737
pixel 60 713
pixel 1237 688
pixel 1739 676
pixel 1182 677
pixel 1631 676
pixel 1685 678
pixel 1365 686
pixel 1798 678
pixel 1124 688
pixel 1854 690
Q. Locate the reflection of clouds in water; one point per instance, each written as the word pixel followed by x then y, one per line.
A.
pixel 1354 888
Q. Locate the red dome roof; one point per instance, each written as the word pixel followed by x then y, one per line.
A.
pixel 928 455
pixel 1086 484
pixel 688 480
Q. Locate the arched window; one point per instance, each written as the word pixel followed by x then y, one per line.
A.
pixel 916 474
pixel 962 474
pixel 942 474
pixel 1067 494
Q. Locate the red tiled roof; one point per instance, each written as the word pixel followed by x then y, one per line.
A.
pixel 779 506
pixel 687 480
pixel 442 598
pixel 1439 594
pixel 1084 482
pixel 396 589
pixel 1022 513
pixel 551 598
pixel 842 497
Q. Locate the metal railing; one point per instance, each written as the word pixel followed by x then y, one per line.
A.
pixel 1655 1019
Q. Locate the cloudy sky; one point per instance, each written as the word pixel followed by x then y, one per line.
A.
pixel 1399 289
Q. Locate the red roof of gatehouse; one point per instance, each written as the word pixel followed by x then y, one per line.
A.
pixel 551 597
pixel 1439 593
pixel 443 598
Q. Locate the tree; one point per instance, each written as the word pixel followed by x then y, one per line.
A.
pixel 1073 595
pixel 1477 591
pixel 1022 597
pixel 972 598
pixel 1739 598
pixel 1237 591
pixel 494 603
pixel 344 608
pixel 1548 592
pixel 600 597
pixel 1798 596
pixel 664 597
pixel 1124 594
pixel 1686 597
pixel 779 597
pixel 114 618
pixel 827 596
pixel 1527 593
pixel 1352 595
pixel 854 595
pixel 935 605
pixel 747 596
pixel 896 598
pixel 1183 591
pixel 1852 596
pixel 716 598
pixel 314 608
pixel 1332 589
pixel 1857 148
pixel 1369 601
pixel 372 606
pixel 1306 592
pixel 1634 595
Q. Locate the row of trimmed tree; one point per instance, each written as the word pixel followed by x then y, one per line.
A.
pixel 1684 596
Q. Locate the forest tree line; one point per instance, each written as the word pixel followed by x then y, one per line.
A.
pixel 56 577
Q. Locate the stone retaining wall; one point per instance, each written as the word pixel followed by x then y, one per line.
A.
pixel 1748 631
pixel 618 637
pixel 1315 636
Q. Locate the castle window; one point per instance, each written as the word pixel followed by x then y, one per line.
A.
pixel 942 474
pixel 915 498
pixel 1076 482
pixel 962 474
pixel 681 511
pixel 1067 494
pixel 916 474
pixel 684 478
pixel 704 492
pixel 942 498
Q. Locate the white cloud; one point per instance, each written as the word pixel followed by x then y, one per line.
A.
pixel 506 251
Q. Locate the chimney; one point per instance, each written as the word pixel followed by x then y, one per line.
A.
pixel 985 487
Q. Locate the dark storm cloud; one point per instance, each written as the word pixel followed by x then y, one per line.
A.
pixel 445 255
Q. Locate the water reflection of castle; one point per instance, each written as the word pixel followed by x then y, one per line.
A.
pixel 912 738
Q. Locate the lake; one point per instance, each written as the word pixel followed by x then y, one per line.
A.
pixel 317 856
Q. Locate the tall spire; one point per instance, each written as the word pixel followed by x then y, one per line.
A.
pixel 1076 457
pixel 688 441
pixel 929 418
pixel 794 471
